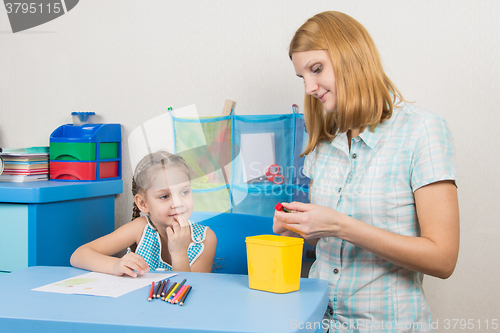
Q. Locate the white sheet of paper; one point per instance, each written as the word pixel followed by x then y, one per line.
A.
pixel 257 151
pixel 100 284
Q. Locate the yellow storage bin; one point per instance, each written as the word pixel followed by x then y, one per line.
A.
pixel 274 263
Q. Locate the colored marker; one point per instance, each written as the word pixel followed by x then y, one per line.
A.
pixel 183 293
pixel 160 287
pixel 279 206
pixel 164 298
pixel 179 294
pixel 164 290
pixel 157 286
pixel 174 287
pixel 151 291
pixel 183 299
pixel 176 290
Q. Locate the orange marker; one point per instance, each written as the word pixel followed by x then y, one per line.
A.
pixel 176 291
pixel 179 294
pixel 183 299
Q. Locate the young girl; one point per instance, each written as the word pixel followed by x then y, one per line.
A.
pixel 163 238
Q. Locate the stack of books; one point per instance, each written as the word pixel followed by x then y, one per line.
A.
pixel 24 164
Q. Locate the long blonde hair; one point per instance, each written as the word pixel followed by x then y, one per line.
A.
pixel 365 95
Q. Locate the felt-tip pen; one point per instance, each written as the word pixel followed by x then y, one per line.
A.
pixel 279 206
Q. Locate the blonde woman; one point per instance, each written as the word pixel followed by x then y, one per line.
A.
pixel 384 207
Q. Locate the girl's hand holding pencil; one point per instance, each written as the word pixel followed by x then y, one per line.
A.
pixel 130 264
pixel 163 203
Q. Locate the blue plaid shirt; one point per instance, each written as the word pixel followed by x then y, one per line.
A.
pixel 374 183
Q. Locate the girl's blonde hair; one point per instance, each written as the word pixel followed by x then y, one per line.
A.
pixel 146 170
pixel 365 95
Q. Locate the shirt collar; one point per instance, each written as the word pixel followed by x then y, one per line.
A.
pixel 372 138
pixel 369 138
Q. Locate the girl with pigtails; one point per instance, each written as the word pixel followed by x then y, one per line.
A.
pixel 162 237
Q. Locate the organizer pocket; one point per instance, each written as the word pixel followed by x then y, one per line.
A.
pixel 260 199
pixel 215 149
pixel 208 198
pixel 205 145
pixel 250 133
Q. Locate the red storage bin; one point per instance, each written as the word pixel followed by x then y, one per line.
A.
pixel 73 170
pixel 108 169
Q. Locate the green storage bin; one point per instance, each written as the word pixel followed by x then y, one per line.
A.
pixel 72 151
pixel 108 150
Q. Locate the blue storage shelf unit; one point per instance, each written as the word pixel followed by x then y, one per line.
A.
pixel 77 152
pixel 42 223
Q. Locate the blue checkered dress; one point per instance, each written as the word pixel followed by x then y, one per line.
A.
pixel 150 245
pixel 374 183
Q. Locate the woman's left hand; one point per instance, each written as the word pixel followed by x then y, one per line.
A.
pixel 310 221
pixel 179 235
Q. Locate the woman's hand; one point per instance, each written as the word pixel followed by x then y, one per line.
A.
pixel 308 220
pixel 179 236
pixel 434 252
pixel 130 264
pixel 280 228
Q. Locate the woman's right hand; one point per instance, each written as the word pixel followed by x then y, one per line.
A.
pixel 279 228
pixel 130 264
pixel 309 221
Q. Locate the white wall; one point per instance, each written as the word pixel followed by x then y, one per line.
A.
pixel 130 60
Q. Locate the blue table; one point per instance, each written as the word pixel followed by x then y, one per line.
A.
pixel 218 302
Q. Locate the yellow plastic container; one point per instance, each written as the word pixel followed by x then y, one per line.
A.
pixel 274 263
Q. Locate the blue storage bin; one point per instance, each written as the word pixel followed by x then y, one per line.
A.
pixel 77 146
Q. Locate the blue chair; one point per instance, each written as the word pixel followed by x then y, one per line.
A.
pixel 231 230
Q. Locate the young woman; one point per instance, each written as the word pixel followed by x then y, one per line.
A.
pixel 384 207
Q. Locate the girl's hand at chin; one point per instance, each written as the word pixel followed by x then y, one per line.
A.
pixel 179 235
pixel 131 264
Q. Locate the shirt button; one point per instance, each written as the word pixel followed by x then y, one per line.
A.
pixel 354 156
pixel 340 189
pixel 330 311
pixel 336 271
